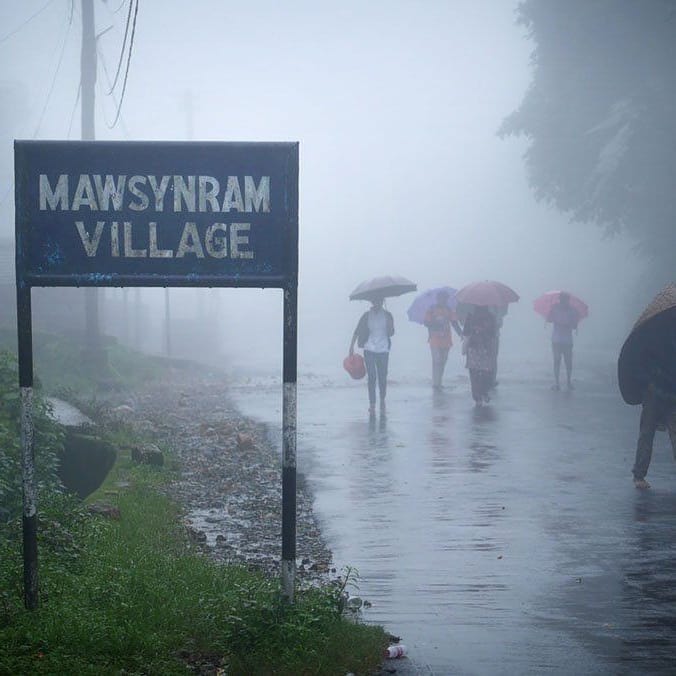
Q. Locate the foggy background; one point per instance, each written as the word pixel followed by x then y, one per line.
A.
pixel 396 107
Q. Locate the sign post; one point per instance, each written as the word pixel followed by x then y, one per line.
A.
pixel 124 214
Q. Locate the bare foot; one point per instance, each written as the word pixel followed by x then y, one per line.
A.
pixel 641 484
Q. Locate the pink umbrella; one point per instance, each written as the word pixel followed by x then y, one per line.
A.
pixel 546 301
pixel 487 293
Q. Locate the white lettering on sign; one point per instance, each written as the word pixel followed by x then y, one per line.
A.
pixel 233 195
pixel 159 191
pixel 208 190
pixel 108 190
pixel 55 198
pixel 129 251
pixel 185 193
pixel 84 194
pixel 190 242
pixel 152 239
pixel 257 198
pixel 90 243
pixel 143 200
pixel 190 193
pixel 216 245
pixel 237 241
pixel 148 193
pixel 220 240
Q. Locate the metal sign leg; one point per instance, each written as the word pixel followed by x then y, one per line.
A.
pixel 30 517
pixel 289 444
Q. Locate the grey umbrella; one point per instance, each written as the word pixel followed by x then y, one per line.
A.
pixel 383 287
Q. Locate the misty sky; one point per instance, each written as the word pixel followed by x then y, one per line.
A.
pixel 395 105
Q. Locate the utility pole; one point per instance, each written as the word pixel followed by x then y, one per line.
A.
pixel 88 68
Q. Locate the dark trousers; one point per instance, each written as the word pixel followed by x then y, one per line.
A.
pixel 481 382
pixel 657 410
pixel 376 370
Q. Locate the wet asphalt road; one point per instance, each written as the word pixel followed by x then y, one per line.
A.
pixel 501 540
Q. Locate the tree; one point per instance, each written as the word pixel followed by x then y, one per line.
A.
pixel 600 115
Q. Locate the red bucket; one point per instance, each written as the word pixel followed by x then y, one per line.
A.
pixel 354 365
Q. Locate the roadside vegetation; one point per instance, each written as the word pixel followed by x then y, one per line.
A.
pixel 127 593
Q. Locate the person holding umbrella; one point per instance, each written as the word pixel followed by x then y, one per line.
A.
pixel 374 332
pixel 485 304
pixel 439 319
pixel 480 346
pixel 435 309
pixel 647 376
pixel 564 318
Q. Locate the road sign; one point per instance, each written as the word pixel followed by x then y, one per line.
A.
pixel 156 214
pixel 91 213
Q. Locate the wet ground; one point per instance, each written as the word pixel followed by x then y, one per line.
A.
pixel 501 540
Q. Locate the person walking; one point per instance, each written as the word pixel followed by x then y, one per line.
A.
pixel 647 375
pixel 564 318
pixel 480 347
pixel 373 333
pixel 438 320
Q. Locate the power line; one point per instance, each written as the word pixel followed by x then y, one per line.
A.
pixel 72 112
pixel 105 70
pixel 126 73
pixel 51 88
pixel 124 44
pixel 115 11
pixel 27 21
pixel 56 72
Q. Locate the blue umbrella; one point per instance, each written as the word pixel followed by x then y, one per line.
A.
pixel 420 306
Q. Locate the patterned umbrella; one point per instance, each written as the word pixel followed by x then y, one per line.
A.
pixel 652 329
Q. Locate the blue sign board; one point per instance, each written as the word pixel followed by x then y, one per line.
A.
pixel 156 214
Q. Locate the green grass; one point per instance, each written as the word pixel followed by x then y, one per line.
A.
pixel 61 363
pixel 132 597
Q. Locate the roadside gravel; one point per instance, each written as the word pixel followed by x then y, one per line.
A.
pixel 229 481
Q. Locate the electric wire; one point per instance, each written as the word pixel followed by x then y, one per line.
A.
pixel 72 112
pixel 124 44
pixel 126 73
pixel 69 21
pixel 56 72
pixel 122 4
pixel 26 22
pixel 107 74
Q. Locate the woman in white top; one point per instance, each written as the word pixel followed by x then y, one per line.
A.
pixel 373 333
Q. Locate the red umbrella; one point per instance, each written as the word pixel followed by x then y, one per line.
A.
pixel 546 301
pixel 487 293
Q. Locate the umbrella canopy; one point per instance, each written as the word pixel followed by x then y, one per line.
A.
pixel 546 301
pixel 462 310
pixel 649 332
pixel 487 292
pixel 423 302
pixel 383 287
